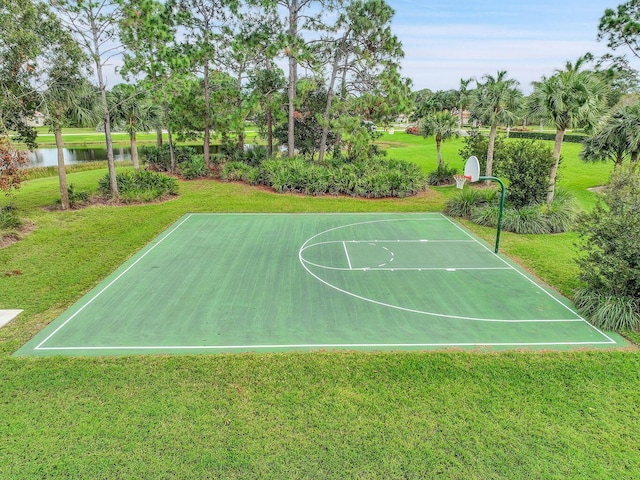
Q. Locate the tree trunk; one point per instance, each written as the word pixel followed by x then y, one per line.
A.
pixel 207 116
pixel 327 109
pixel 239 107
pixel 438 142
pixel 134 150
pixel 113 184
pixel 62 173
pixel 490 149
pixel 269 126
pixel 557 147
pixel 293 76
pixel 172 155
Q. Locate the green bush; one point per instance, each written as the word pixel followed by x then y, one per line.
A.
pixel 526 164
pixel 443 175
pixel 159 158
pixel 571 138
pixel 476 144
pixel 609 312
pixel 482 206
pixel 194 167
pixel 610 266
pixel 527 219
pixel 140 186
pixel 76 197
pixel 374 178
pixel 463 204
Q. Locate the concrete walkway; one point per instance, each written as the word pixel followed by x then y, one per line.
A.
pixel 7 315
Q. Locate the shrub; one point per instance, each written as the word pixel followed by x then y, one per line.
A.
pixel 140 186
pixel 570 138
pixel 462 205
pixel 610 268
pixel 481 206
pixel 194 167
pixel 255 155
pixel 610 312
pixel 526 164
pixel 373 178
pixel 477 144
pixel 561 214
pixel 159 158
pixel 443 175
pixel 527 219
pixel 76 197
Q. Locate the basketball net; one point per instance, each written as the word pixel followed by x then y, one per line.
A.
pixel 460 180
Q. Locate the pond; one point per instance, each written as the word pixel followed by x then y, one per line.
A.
pixel 47 157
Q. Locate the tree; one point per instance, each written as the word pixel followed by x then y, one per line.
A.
pixel 569 98
pixel 265 85
pixel 610 265
pixel 621 27
pixel 299 16
pixel 616 137
pixel 11 163
pixel 443 126
pixel 496 101
pixel 132 109
pixel 95 25
pixel 464 99
pixel 205 22
pixel 67 99
pixel 30 34
pixel 148 30
pixel 362 43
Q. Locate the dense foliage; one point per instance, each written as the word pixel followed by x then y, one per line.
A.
pixel 526 164
pixel 140 186
pixel 610 268
pixel 374 178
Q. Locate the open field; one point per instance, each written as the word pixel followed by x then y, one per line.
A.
pixel 447 414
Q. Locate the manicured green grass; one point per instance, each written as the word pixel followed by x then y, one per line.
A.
pixel 323 415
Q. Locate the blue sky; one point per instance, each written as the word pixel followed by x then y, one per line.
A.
pixel 446 40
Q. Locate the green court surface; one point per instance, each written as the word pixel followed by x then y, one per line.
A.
pixel 277 282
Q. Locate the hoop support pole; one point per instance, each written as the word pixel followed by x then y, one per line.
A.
pixel 495 179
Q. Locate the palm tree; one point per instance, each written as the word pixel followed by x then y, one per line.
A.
pixel 443 126
pixel 569 98
pixel 131 107
pixel 464 98
pixel 617 137
pixel 496 101
pixel 67 100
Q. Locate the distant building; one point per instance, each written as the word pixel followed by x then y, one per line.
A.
pixel 37 120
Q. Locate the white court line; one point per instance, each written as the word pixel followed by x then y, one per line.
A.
pixel 304 263
pixel 533 282
pixel 346 252
pixel 328 345
pixel 39 346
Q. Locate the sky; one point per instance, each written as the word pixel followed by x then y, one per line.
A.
pixel 448 40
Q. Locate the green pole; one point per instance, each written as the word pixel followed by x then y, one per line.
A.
pixel 495 179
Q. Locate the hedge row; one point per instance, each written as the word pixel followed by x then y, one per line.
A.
pixel 375 178
pixel 571 138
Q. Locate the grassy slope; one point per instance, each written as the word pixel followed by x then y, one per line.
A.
pixel 328 415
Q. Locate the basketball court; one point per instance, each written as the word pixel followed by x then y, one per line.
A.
pixel 306 282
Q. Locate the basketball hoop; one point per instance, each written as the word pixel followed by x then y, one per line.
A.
pixel 460 180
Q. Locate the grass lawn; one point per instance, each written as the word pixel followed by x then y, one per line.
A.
pixel 447 415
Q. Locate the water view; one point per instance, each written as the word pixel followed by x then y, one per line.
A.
pixel 46 157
